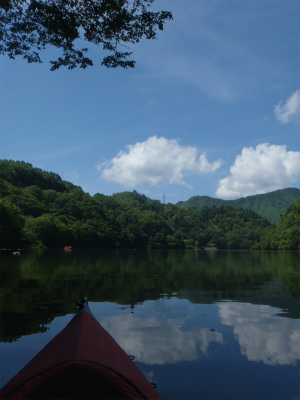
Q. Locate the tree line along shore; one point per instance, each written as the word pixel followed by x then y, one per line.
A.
pixel 39 209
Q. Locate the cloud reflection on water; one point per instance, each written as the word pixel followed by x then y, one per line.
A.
pixel 154 341
pixel 261 333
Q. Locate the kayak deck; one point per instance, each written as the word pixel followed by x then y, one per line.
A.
pixel 75 383
pixel 82 362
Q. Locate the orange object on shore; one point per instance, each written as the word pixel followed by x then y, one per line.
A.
pixel 68 248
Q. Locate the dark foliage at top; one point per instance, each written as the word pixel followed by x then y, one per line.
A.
pixel 27 27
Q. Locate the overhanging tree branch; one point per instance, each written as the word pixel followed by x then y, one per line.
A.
pixel 29 26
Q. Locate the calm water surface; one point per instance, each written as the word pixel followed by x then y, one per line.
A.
pixel 201 324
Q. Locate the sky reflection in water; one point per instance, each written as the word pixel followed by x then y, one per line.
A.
pixel 262 335
pixel 250 350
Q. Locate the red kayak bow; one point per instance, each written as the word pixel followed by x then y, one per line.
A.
pixel 82 362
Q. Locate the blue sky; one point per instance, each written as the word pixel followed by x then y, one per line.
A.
pixel 211 108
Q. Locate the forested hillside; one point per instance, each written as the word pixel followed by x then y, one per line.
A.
pixel 270 205
pixel 38 208
pixel 286 234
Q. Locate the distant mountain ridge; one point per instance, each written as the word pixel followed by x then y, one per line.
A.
pixel 269 205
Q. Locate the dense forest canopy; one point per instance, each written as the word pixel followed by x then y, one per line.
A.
pixel 38 208
pixel 286 234
pixel 27 27
pixel 269 205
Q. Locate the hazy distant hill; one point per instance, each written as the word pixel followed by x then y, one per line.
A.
pixel 270 205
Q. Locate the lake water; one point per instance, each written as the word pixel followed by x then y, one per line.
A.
pixel 201 324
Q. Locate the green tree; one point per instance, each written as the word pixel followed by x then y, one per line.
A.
pixel 27 27
pixel 175 241
pixel 45 230
pixel 11 224
pixel 158 241
pixel 286 234
pixel 29 201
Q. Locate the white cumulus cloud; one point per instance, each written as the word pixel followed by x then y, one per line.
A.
pixel 260 170
pixel 155 161
pixel 290 110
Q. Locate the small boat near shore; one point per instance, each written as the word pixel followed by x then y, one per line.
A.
pixel 68 249
pixel 82 362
